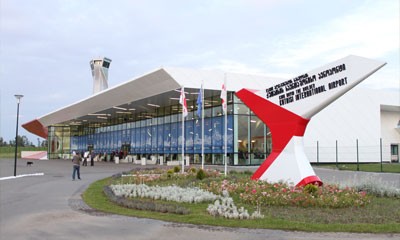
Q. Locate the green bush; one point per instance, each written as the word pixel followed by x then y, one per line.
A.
pixel 170 173
pixel 177 169
pixel 201 174
pixel 311 189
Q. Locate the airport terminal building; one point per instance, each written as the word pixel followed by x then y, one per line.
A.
pixel 142 119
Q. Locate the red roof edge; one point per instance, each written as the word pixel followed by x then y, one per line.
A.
pixel 36 128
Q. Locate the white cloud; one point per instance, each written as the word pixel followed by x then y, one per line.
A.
pixel 371 31
pixel 229 65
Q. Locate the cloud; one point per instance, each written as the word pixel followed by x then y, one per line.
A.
pixel 46 45
pixel 371 31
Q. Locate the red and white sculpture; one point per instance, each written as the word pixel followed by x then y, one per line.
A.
pixel 287 107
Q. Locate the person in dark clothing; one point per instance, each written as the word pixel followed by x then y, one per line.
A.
pixel 76 160
pixel 92 155
pixel 84 159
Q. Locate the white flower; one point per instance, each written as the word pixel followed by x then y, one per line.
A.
pixel 169 193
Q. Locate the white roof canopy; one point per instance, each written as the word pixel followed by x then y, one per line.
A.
pixel 157 88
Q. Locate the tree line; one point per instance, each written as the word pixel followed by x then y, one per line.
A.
pixel 22 141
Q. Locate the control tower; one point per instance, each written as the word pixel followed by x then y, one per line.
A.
pixel 100 68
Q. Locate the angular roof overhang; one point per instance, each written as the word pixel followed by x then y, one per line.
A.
pixel 36 128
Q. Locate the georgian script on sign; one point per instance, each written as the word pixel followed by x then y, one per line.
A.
pixel 306 85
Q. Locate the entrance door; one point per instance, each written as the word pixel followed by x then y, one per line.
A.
pixel 394 152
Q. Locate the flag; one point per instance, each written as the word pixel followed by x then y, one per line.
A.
pixel 199 101
pixel 223 98
pixel 182 101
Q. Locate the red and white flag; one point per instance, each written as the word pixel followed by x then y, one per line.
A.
pixel 182 101
pixel 223 98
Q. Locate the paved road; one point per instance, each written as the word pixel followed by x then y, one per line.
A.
pixel 50 207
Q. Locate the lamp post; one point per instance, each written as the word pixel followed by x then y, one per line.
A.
pixel 18 97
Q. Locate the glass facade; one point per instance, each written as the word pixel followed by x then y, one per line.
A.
pixel 159 133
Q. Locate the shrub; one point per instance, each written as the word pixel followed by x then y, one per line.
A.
pixel 248 172
pixel 170 173
pixel 311 189
pixel 200 174
pixel 177 169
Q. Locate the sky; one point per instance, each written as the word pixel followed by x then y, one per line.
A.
pixel 46 45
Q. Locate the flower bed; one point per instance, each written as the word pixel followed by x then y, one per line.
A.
pixel 169 193
pixel 222 192
pixel 139 204
pixel 260 193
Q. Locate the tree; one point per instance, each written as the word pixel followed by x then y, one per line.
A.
pixel 44 143
pixel 2 142
pixel 22 141
pixel 25 141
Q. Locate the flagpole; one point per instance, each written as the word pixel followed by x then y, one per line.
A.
pixel 202 125
pixel 183 141
pixel 182 101
pixel 226 125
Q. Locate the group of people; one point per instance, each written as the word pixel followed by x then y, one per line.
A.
pixel 88 155
pixel 76 161
pixel 84 157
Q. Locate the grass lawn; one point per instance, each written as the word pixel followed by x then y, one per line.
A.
pixel 364 167
pixel 381 215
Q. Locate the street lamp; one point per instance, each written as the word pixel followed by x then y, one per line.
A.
pixel 18 97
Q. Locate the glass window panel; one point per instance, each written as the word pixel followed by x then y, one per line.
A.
pixel 160 120
pixel 119 139
pixel 154 138
pixel 243 139
pixel 167 119
pixel 197 136
pixel 143 140
pixel 191 114
pixel 217 134
pixel 257 140
pixel 230 134
pixel 138 139
pixel 174 137
pixel 148 139
pixel 174 118
pixel 133 140
pixel 207 135
pixel 241 109
pixel 160 136
pixel 207 112
pixel 217 111
pixel 189 135
pixel 167 138
pixel 112 140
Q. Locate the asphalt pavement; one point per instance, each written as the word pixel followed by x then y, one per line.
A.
pixel 44 203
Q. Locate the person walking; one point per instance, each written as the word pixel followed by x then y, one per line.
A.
pixel 76 160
